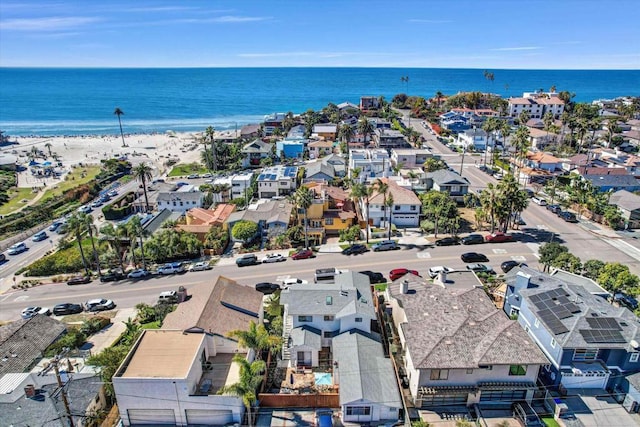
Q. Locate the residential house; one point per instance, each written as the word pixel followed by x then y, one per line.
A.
pixel 372 163
pixel 619 159
pixel 297 131
pixel 410 158
pixel 629 205
pixel 24 341
pixel 588 341
pixel 480 112
pixel 30 399
pixel 330 212
pixel 473 139
pixel 454 122
pixel 346 106
pixel 389 138
pixel 250 131
pixel 614 182
pixel 448 181
pixel 181 200
pixel 380 123
pixel 277 181
pixel 542 161
pixel 458 349
pixel 327 131
pixel 369 103
pixel 537 105
pixel 405 211
pixel 338 163
pixel 540 138
pixel 290 148
pixel 318 149
pixel 271 122
pixel 254 152
pixel 272 216
pixel 232 187
pixel 319 171
pixel 200 221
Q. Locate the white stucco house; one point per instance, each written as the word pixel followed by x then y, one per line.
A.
pixel 181 200
pixel 405 211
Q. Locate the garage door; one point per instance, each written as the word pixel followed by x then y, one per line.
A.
pixel 585 380
pixel 405 220
pixel 208 417
pixel 151 417
pixel 444 400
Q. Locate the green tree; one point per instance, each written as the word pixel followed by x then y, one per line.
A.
pixel 432 164
pixel 438 208
pixel 617 277
pixel 489 126
pixel 244 230
pixel 112 235
pixel 303 198
pixel 549 252
pixel 87 221
pixel 362 191
pixel 382 187
pixel 135 229
pixel 346 133
pixel 350 234
pixel 118 112
pixel 365 128
pixel 245 388
pixel 76 225
pixel 143 172
pixel 592 268
pixel 568 262
pixel 216 239
pixel 388 204
pixel 489 202
pixel 258 339
pixel 108 361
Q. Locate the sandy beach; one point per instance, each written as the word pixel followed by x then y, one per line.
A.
pixel 155 149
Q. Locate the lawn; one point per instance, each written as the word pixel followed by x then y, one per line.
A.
pixel 151 325
pixel 74 179
pixel 185 169
pixel 550 422
pixel 18 197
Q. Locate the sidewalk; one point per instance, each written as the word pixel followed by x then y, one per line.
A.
pixel 109 335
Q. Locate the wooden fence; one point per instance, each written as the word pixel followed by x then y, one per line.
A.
pixel 320 400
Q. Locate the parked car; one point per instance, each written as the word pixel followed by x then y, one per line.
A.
pixel 374 277
pixel 247 259
pixel 79 280
pixel 473 257
pixel 507 266
pixel 397 273
pixel 171 268
pixel 355 249
pixel 434 271
pixel 18 248
pixel 3 258
pixel 472 239
pixel 626 300
pixel 193 176
pixel 40 236
pixel 324 418
pixel 385 245
pixel 100 304
pixel 267 288
pixel 54 225
pixel 138 273
pixel 524 413
pixel 303 254
pixel 168 297
pixel 448 241
pixel 112 276
pixel 67 308
pixel 112 193
pixel 85 209
pixel 554 208
pixel 29 312
pixel 270 258
pixel 568 216
pixel 498 237
pixel 480 268
pixel 539 201
pixel 293 281
pixel 200 266
pixel 96 204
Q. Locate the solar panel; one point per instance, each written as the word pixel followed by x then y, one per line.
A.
pixel 572 307
pixel 557 327
pixel 604 323
pixel 593 336
pixel 562 313
pixel 535 298
pixel 546 314
pixel 563 300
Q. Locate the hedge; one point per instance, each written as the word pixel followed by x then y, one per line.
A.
pixel 116 211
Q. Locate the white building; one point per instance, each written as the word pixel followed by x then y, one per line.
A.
pixel 374 163
pixel 405 211
pixel 410 158
pixel 277 181
pixel 537 105
pixel 238 185
pixel 474 140
pixel 181 200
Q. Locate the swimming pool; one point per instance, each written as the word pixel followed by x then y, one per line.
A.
pixel 323 378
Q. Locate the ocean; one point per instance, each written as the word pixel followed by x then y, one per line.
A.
pixel 81 101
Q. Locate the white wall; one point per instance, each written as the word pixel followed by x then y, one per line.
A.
pixel 497 373
pixel 349 322
pixel 378 412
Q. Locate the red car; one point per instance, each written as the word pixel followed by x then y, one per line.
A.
pixel 399 272
pixel 303 254
pixel 498 237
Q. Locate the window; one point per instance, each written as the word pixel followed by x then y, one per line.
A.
pixel 536 322
pixel 517 370
pixel 327 334
pixel 305 318
pixel 329 318
pixel 328 221
pixel 413 207
pixel 553 343
pixel 469 371
pixel 634 356
pixel 585 354
pixel 396 207
pixel 514 312
pixel 358 319
pixel 439 374
pixel 358 410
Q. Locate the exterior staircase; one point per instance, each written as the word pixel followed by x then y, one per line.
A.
pixel 286 332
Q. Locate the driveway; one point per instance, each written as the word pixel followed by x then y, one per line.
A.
pixel 595 408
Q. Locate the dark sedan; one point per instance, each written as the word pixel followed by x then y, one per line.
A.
pixel 267 288
pixel 67 308
pixel 507 266
pixel 355 250
pixel 112 276
pixel 374 277
pixel 474 257
pixel 79 280
pixel 448 241
pixel 473 239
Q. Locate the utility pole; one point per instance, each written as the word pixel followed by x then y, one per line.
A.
pixel 63 392
pixel 464 150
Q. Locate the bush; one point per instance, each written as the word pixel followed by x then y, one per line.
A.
pixel 120 208
pixel 74 338
pixel 65 261
pixel 95 324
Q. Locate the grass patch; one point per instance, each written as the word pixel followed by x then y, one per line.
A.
pixel 79 176
pixel 79 318
pixel 550 422
pixel 184 169
pixel 380 287
pixel 18 197
pixel 151 325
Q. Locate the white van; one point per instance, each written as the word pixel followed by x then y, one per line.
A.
pixel 168 297
pixel 539 201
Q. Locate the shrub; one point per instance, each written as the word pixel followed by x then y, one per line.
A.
pixel 94 324
pixel 74 338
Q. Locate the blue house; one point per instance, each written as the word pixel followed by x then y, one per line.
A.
pixel 454 122
pixel 590 343
pixel 291 148
pixel 614 182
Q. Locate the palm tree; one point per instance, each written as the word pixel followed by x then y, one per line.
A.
pixel 522 144
pixel 346 134
pixel 48 146
pixel 489 126
pixel 405 79
pixel 87 221
pixel 359 192
pixel 258 339
pixel 245 388
pixel 304 199
pixel 76 225
pixel 143 172
pixel 388 203
pixel 209 137
pixel 505 130
pixel 488 200
pixel 113 235
pixel 134 229
pixel 382 188
pixel 118 112
pixel 365 128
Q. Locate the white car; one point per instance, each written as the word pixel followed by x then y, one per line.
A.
pixel 18 248
pixel 200 266
pixel 434 271
pixel 293 281
pixel 100 304
pixel 273 258
pixel 85 209
pixel 137 274
pixel 29 312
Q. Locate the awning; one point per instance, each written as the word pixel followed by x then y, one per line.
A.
pixel 505 385
pixel 432 391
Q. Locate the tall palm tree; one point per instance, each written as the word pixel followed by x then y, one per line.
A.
pixel 134 229
pixel 346 134
pixel 388 203
pixel 382 188
pixel 304 199
pixel 118 112
pixel 245 388
pixel 505 130
pixel 48 147
pixel 76 225
pixel 143 172
pixel 258 339
pixel 488 201
pixel 489 126
pixel 362 191
pixel 112 234
pixel 209 137
pixel 522 143
pixel 365 128
pixel 87 221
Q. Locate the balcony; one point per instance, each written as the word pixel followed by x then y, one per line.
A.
pixel 217 372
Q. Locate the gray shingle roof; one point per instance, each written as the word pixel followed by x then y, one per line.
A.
pixel 365 374
pixel 461 328
pixel 444 176
pixel 26 339
pixel 257 146
pixel 612 180
pixel 319 168
pixel 271 211
pixel 625 200
pixel 306 336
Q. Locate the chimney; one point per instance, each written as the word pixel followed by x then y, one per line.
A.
pixel 29 391
pixel 404 287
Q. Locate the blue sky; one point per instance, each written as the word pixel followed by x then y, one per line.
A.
pixel 539 34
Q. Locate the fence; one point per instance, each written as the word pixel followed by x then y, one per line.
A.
pixel 320 400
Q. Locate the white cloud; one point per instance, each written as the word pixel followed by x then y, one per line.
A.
pixel 508 49
pixel 53 23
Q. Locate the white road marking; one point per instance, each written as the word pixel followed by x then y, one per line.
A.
pixel 519 258
pixel 542 227
pixel 22 298
pixel 499 251
pixel 423 255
